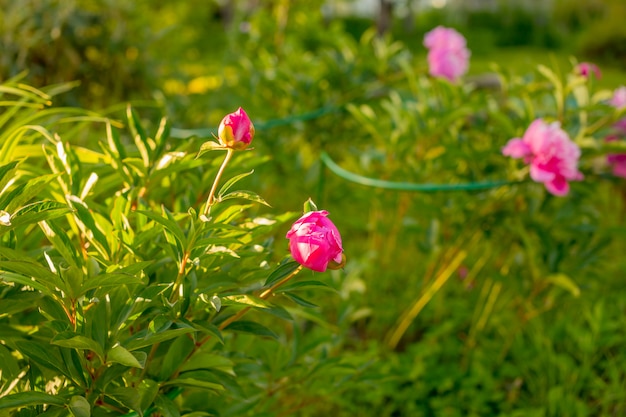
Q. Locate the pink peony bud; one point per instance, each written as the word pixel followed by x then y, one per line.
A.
pixel 619 98
pixel 447 55
pixel 552 156
pixel 587 68
pixel 314 241
pixel 236 130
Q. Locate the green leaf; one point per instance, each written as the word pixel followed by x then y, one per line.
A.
pixel 79 406
pixel 252 328
pixel 166 407
pixel 228 184
pixel 31 190
pixel 209 146
pixel 281 272
pixel 92 231
pixel 113 279
pixel 246 195
pixel 61 242
pixel 151 339
pixel 169 225
pixel 40 276
pixel 24 399
pixel 300 285
pixel 179 349
pixel 208 360
pixel 209 329
pixel 127 396
pixel 7 172
pixel 565 282
pixel 44 355
pixel 31 282
pixel 194 383
pixel 74 341
pixel 119 354
pixel 309 205
pixel 301 301
pixel 37 212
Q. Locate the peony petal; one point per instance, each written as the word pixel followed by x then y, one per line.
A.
pixel 539 174
pixel 558 186
pixel 516 148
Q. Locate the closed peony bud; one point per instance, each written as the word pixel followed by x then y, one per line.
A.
pixel 314 242
pixel 236 130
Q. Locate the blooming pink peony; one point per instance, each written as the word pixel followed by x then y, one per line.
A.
pixel 314 241
pixel 587 68
pixel 619 98
pixel 236 130
pixel 448 56
pixel 552 156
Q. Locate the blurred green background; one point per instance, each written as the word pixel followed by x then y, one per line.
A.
pixel 471 303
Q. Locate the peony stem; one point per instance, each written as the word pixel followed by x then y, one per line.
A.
pixel 209 201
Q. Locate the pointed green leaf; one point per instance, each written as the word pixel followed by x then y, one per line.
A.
pixel 300 301
pixel 79 406
pixel 565 282
pixel 24 399
pixel 281 272
pixel 110 280
pixel 252 328
pixel 127 396
pixel 246 195
pixel 74 341
pixel 119 354
pixel 37 212
pixel 209 146
pixel 149 340
pixel 228 184
pixel 169 225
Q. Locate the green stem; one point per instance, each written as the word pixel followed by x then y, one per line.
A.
pixel 210 200
pixel 179 277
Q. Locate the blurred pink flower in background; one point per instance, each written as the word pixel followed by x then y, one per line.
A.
pixel 314 241
pixel 587 68
pixel 448 56
pixel 552 156
pixel 618 161
pixel 619 98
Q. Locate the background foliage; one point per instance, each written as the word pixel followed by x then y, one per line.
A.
pixel 497 301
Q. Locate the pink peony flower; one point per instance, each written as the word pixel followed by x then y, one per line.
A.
pixel 448 56
pixel 448 63
pixel 552 156
pixel 619 98
pixel 314 241
pixel 587 68
pixel 236 130
pixel 444 38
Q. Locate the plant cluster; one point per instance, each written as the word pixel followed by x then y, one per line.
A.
pixel 483 217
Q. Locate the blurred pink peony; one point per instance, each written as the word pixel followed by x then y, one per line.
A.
pixel 444 38
pixel 552 156
pixel 236 130
pixel 618 161
pixel 619 98
pixel 314 241
pixel 448 56
pixel 587 68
